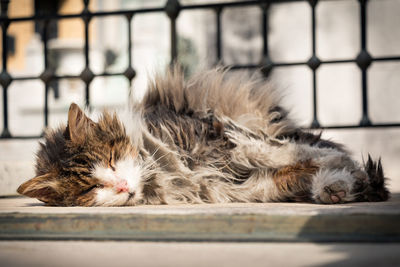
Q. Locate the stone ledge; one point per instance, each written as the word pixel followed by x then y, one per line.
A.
pixel 14 173
pixel 22 218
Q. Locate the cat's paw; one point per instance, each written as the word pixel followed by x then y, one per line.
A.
pixel 334 193
pixel 332 187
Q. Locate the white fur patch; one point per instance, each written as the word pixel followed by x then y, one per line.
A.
pixel 262 154
pixel 108 197
pixel 125 170
pixel 133 123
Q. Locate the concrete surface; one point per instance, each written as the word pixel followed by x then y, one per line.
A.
pixel 142 254
pixel 32 234
pixel 22 218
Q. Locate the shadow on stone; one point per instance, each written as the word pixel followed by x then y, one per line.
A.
pixel 364 255
pixel 357 222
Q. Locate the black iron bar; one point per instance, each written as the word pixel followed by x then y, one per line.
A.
pixel 86 75
pixel 237 4
pixel 288 64
pixel 103 74
pixel 5 22
pixel 129 73
pixel 174 45
pixel 172 9
pixel 86 45
pixel 26 78
pixel 20 137
pixel 149 10
pixel 386 59
pixel 257 66
pixel 315 123
pixel 46 68
pixel 365 118
pixel 265 26
pixel 58 77
pixel 375 125
pixel 313 4
pixel 218 33
pixel 129 20
pixel 314 63
pixel 338 61
pixel 266 65
pixel 5 78
pixel 363 61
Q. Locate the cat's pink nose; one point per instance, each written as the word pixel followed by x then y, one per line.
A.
pixel 122 186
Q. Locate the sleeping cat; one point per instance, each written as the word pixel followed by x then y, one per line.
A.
pixel 206 140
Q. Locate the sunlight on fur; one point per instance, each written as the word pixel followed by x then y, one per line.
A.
pixel 208 139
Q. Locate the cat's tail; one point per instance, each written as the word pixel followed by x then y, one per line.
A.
pixel 376 189
pixel 371 184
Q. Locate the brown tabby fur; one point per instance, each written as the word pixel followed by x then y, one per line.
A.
pixel 206 140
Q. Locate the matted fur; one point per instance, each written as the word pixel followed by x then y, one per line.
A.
pixel 205 140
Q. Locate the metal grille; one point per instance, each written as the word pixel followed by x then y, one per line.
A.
pixel 173 8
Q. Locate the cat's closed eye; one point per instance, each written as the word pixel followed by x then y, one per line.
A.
pixel 80 161
pixel 91 188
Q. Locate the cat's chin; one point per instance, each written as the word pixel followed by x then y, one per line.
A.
pixel 108 197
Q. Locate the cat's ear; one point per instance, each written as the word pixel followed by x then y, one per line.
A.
pixel 43 187
pixel 78 124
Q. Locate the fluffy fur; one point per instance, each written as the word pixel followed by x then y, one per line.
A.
pixel 206 140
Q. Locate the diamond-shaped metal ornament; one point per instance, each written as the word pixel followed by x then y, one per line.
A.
pixel 47 75
pixel 364 59
pixel 5 79
pixel 130 73
pixel 266 66
pixel 172 8
pixel 313 3
pixel 313 63
pixel 87 75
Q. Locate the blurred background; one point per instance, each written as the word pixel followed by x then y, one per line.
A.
pixel 290 46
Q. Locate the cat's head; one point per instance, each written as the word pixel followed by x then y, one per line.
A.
pixel 87 163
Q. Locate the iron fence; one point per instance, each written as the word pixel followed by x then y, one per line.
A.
pixel 172 9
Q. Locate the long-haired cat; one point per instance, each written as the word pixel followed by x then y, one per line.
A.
pixel 206 140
